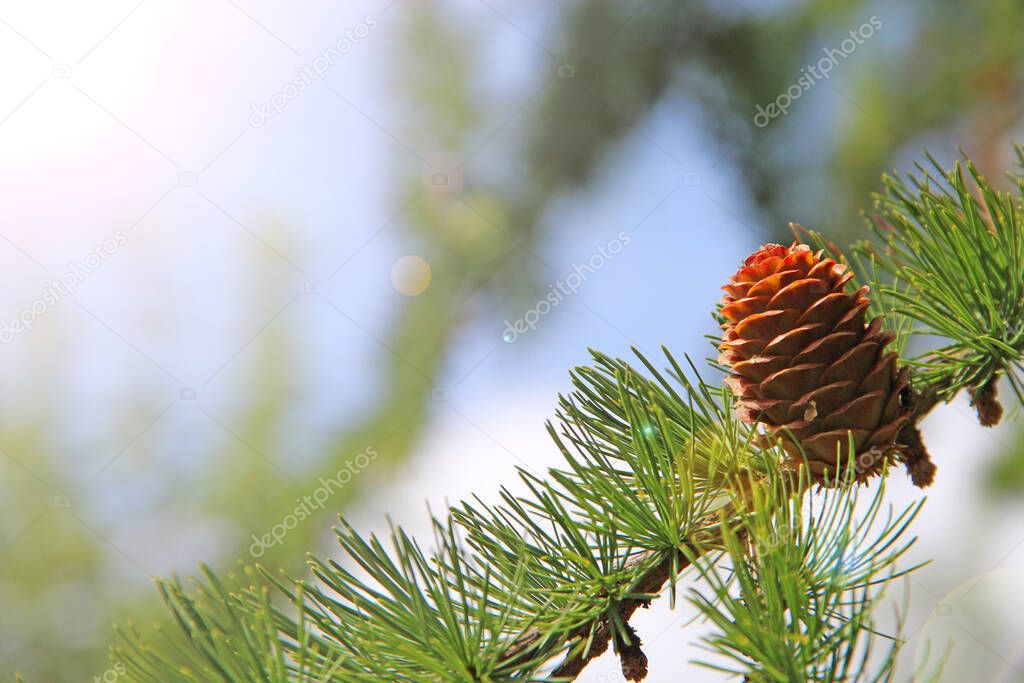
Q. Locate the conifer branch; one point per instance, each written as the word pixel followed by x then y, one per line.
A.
pixel 662 478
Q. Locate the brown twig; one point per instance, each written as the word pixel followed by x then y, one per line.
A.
pixel 912 451
pixel 650 583
pixel 600 633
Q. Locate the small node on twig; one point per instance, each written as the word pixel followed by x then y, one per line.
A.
pixel 986 402
pixel 633 660
pixel 914 455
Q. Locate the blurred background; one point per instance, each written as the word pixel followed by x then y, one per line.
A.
pixel 248 247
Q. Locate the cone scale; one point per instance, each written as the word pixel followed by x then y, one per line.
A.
pixel 807 365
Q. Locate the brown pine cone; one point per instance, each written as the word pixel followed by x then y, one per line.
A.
pixel 805 363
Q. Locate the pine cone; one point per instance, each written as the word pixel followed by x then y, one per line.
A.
pixel 805 363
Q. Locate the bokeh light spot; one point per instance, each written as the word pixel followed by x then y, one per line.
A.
pixel 411 275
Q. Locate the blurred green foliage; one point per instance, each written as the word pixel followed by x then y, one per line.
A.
pixel 1005 477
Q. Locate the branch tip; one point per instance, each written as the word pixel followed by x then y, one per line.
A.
pixel 914 455
pixel 634 661
pixel 986 402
